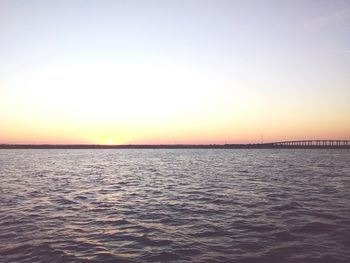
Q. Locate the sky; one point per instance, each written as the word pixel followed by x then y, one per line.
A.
pixel 185 71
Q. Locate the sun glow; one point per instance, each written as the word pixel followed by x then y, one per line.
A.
pixel 115 139
pixel 109 141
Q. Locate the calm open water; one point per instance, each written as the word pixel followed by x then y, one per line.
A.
pixel 175 205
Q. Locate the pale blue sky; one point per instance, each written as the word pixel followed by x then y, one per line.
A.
pixel 265 61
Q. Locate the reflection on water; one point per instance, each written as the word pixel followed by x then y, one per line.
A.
pixel 175 205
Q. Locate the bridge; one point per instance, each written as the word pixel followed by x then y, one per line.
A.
pixel 309 144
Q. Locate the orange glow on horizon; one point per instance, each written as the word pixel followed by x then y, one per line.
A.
pixel 177 134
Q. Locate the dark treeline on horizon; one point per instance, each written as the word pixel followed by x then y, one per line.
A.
pixel 171 146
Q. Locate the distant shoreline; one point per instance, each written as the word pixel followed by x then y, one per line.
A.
pixel 169 146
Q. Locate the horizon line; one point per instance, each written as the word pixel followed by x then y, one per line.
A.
pixel 300 144
pixel 171 144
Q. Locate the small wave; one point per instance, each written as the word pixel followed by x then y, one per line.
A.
pixel 112 222
pixel 287 206
pixel 314 227
pixel 34 253
pixel 161 257
pixel 107 257
pixel 284 235
pixel 208 234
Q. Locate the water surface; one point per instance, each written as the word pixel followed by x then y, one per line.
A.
pixel 175 205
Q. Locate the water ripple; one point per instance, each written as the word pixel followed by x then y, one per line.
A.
pixel 174 206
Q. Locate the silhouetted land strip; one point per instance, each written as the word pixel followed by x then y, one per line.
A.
pixel 306 144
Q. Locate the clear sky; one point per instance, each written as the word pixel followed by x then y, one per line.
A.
pixel 179 71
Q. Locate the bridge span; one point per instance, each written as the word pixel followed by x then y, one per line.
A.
pixel 309 144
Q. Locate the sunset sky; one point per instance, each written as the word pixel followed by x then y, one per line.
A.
pixel 200 71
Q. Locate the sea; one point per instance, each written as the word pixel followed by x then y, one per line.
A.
pixel 175 205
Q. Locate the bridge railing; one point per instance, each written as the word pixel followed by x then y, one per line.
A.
pixel 315 143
